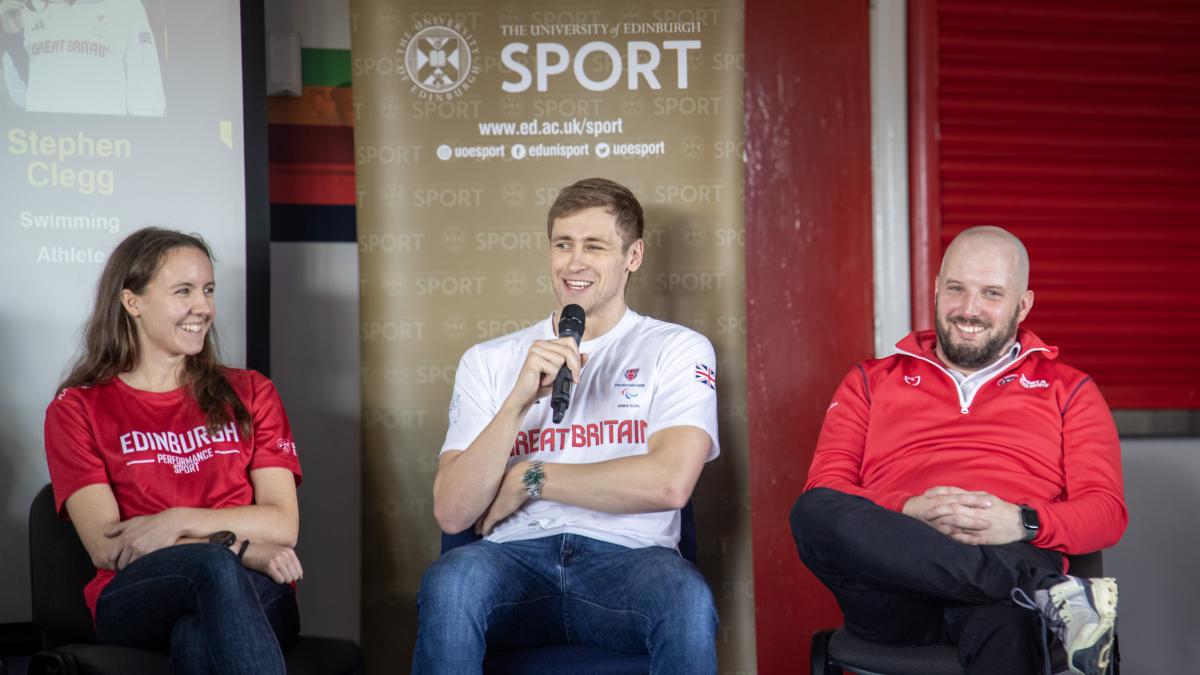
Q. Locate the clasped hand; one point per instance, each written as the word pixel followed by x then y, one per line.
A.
pixel 141 535
pixel 969 517
pixel 278 562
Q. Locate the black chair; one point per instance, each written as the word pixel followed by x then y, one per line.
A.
pixel 59 569
pixel 835 651
pixel 574 659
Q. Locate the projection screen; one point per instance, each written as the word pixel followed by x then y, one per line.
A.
pixel 114 115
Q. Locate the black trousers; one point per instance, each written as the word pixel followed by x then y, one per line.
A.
pixel 899 581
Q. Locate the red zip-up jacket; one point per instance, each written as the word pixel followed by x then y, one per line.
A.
pixel 1037 432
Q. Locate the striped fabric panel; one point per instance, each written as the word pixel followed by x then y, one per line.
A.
pixel 311 183
pixel 325 67
pixel 312 223
pixel 319 106
pixel 311 152
pixel 310 144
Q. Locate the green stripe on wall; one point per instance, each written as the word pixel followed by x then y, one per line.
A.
pixel 325 67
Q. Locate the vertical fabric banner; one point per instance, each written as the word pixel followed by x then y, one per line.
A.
pixel 469 118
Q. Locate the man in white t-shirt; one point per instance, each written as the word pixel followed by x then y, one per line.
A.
pixel 581 518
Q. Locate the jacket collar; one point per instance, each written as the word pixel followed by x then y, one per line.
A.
pixel 923 343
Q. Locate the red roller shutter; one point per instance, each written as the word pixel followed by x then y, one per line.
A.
pixel 1075 125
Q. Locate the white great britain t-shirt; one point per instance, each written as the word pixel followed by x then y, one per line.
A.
pixel 642 376
pixel 90 56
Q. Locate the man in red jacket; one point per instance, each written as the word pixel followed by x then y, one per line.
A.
pixel 951 478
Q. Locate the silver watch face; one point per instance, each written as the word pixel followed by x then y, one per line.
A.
pixel 533 479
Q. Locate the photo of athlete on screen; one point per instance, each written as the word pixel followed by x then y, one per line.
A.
pixel 81 56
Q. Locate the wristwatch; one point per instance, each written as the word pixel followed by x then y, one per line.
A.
pixel 533 479
pixel 223 538
pixel 1030 521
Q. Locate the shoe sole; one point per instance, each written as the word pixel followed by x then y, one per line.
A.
pixel 1091 653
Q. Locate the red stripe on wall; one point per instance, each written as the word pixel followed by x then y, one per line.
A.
pixel 311 183
pixel 309 144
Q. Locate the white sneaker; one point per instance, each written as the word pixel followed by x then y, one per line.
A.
pixel 1083 614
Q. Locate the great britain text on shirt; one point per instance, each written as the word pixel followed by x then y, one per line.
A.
pixel 606 432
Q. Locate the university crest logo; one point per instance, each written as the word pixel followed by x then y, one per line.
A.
pixel 440 60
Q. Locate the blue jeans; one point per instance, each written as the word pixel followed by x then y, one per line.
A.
pixel 198 602
pixel 564 589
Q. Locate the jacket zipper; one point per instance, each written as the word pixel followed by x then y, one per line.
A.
pixel 963 403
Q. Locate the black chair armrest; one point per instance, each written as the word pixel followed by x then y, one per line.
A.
pixel 52 663
pixel 819 661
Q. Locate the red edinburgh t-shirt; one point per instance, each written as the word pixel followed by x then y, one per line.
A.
pixel 154 450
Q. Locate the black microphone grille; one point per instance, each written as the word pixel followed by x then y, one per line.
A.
pixel 571 321
pixel 573 312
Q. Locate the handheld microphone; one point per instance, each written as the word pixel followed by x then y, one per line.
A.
pixel 570 324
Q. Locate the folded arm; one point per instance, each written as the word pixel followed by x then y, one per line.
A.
pixel 1091 515
pixel 660 480
pixel 468 480
pixel 271 523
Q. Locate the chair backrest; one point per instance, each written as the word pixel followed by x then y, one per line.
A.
pixel 59 568
pixel 687 535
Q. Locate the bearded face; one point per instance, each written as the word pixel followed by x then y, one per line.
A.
pixel 971 343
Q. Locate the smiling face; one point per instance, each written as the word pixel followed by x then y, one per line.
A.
pixel 175 310
pixel 590 266
pixel 980 299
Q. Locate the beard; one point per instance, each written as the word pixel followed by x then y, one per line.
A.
pixel 974 357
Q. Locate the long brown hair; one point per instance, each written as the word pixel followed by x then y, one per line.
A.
pixel 110 343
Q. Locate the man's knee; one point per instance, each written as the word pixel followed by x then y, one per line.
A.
pixel 692 610
pixel 696 596
pixel 458 580
pixel 812 513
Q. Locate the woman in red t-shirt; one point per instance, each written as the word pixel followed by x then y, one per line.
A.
pixel 179 473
